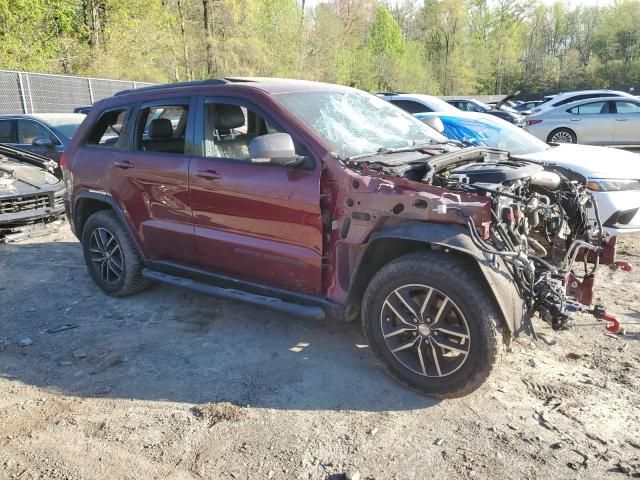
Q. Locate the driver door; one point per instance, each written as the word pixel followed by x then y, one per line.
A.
pixel 257 222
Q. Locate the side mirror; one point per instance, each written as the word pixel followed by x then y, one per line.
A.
pixel 42 141
pixel 274 149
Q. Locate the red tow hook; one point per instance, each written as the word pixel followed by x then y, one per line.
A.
pixel 624 266
pixel 612 325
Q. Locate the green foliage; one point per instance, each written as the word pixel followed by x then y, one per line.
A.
pixel 438 47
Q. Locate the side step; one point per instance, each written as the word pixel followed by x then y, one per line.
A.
pixel 313 312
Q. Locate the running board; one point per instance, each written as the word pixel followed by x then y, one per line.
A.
pixel 313 312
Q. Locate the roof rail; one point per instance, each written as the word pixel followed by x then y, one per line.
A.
pixel 162 86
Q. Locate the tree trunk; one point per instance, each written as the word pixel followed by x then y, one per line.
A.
pixel 185 50
pixel 208 32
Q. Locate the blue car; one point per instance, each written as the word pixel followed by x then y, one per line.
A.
pixel 479 129
pixel 46 134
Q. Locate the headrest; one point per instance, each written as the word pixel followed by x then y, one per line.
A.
pixel 226 117
pixel 161 128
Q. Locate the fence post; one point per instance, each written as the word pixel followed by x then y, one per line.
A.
pixel 29 91
pixel 22 95
pixel 90 91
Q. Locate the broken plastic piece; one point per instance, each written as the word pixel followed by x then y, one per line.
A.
pixel 624 266
pixel 612 324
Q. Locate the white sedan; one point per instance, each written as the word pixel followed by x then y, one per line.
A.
pixel 595 121
pixel 612 175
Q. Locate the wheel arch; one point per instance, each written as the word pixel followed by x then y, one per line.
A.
pixel 386 245
pixel 570 130
pixel 88 203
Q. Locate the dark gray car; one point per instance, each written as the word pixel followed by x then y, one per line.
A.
pixel 43 133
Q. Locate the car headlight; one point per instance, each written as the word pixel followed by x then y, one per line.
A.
pixel 613 185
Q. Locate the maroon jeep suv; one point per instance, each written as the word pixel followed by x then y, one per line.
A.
pixel 320 200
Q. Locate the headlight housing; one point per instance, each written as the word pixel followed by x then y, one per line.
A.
pixel 613 185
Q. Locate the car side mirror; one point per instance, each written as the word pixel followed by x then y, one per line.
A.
pixel 42 141
pixel 275 149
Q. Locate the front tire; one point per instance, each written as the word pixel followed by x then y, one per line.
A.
pixel 111 255
pixel 562 135
pixel 430 320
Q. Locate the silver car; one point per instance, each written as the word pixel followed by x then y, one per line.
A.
pixel 595 121
pixel 551 101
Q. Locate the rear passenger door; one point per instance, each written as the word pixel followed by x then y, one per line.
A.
pixel 627 122
pixel 149 178
pixel 261 223
pixel 592 122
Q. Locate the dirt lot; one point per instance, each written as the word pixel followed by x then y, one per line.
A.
pixel 173 385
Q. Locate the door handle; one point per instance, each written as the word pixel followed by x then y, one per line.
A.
pixel 575 119
pixel 124 164
pixel 208 174
pixel 621 119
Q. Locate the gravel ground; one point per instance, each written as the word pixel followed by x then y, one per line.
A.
pixel 173 385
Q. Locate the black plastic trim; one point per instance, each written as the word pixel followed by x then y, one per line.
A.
pixel 228 281
pixel 272 303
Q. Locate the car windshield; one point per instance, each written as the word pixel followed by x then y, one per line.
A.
pixel 492 132
pixel 66 126
pixel 357 123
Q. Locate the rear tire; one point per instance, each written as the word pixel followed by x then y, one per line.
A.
pixel 430 320
pixel 111 255
pixel 562 135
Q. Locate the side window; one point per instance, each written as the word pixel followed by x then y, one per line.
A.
pixel 161 128
pixel 230 128
pixel 627 107
pixel 28 131
pixel 6 131
pixel 590 108
pixel 411 107
pixel 473 108
pixel 108 131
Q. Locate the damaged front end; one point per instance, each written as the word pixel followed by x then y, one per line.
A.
pixel 536 226
pixel 31 195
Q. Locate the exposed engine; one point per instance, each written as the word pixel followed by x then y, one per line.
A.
pixel 544 225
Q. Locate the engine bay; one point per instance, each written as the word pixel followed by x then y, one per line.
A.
pixel 544 225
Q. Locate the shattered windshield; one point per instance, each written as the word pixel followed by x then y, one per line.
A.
pixel 357 123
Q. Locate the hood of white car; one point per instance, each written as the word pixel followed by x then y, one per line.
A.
pixel 590 161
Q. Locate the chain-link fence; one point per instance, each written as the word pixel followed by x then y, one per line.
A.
pixel 24 92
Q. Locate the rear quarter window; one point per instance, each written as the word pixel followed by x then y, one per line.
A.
pixel 109 130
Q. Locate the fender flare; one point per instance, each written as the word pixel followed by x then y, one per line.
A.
pixel 456 237
pixel 109 200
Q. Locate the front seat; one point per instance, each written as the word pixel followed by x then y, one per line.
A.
pixel 161 137
pixel 225 142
